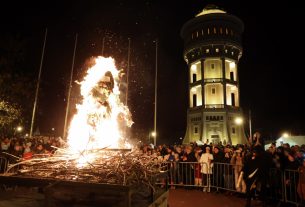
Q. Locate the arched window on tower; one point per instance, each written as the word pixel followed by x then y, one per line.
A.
pixel 208 30
pixel 233 99
pixel 194 100
pixel 214 30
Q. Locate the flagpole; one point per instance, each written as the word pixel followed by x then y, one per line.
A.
pixel 69 91
pixel 38 83
pixel 156 93
pixel 127 72
pixel 250 123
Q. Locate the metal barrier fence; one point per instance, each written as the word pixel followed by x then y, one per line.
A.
pixel 189 174
pixel 286 186
pixel 294 181
pixel 204 175
pixel 223 177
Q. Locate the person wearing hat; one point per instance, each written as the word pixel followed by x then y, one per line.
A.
pixel 206 160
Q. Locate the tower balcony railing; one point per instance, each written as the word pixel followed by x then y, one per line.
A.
pixel 213 80
pixel 217 80
pixel 214 106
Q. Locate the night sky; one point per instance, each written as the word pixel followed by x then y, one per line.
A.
pixel 270 70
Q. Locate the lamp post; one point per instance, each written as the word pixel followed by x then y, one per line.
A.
pixel 250 124
pixel 53 131
pixel 154 135
pixel 239 120
pixel 18 130
pixel 156 95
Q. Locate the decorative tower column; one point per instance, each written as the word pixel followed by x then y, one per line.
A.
pixel 212 49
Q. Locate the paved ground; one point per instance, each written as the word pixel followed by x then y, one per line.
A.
pixel 177 198
pixel 196 198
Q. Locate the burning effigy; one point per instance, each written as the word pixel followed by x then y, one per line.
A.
pixel 96 150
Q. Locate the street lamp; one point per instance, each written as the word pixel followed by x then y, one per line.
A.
pixel 19 128
pixel 53 131
pixel 238 120
pixel 285 135
pixel 154 135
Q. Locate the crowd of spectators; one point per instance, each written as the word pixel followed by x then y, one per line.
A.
pixel 189 165
pixel 15 149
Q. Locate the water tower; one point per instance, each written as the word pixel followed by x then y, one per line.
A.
pixel 212 49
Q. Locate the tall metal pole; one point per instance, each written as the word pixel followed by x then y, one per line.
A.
pixel 38 83
pixel 156 93
pixel 250 124
pixel 127 72
pixel 69 91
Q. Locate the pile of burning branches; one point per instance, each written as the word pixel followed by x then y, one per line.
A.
pixel 121 167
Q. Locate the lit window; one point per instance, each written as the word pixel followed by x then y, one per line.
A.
pixel 226 51
pixel 212 66
pixel 213 90
pixel 217 50
pixel 207 50
pixel 227 32
pixel 194 77
pixel 202 32
pixel 232 53
pixel 233 130
pixel 197 33
pixel 208 30
pixel 214 30
pixel 220 30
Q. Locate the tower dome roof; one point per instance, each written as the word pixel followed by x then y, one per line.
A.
pixel 210 9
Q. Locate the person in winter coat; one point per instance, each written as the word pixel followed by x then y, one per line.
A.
pixel 206 168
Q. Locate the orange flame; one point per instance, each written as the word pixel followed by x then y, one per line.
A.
pixel 101 117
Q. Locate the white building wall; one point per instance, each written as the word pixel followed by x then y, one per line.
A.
pixel 212 68
pixel 217 97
